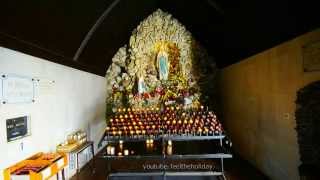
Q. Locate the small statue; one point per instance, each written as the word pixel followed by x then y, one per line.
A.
pixel 163 65
pixel 141 86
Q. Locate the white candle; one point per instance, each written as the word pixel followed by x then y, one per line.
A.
pixel 112 150
pixel 169 150
pixel 126 152
pixel 108 150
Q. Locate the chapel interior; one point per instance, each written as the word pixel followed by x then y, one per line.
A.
pixel 159 89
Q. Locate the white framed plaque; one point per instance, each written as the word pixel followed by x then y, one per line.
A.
pixel 1 90
pixel 17 89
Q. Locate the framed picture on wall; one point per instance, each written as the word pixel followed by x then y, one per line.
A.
pixel 18 127
pixel 17 89
pixel 311 56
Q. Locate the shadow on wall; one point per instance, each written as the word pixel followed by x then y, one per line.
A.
pixel 308 129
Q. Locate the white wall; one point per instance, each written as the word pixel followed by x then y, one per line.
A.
pixel 75 101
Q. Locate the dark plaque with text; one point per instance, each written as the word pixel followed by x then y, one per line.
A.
pixel 17 128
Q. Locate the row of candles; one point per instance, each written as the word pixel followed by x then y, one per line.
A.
pixel 111 150
pixel 195 131
pixel 133 120
pixel 169 122
pixel 157 115
pixel 120 151
pixel 168 148
pixel 157 109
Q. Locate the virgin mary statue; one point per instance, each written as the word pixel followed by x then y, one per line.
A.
pixel 163 65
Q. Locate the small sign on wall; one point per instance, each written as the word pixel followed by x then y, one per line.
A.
pixel 1 90
pixel 17 128
pixel 17 89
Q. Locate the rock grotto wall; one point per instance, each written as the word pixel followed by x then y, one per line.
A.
pixel 162 64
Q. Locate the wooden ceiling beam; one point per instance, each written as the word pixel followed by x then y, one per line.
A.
pixel 215 6
pixel 93 29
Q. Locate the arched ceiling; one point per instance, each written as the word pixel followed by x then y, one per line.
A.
pixel 230 30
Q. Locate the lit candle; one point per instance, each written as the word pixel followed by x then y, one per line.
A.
pixel 169 143
pixel 169 150
pixel 119 153
pixel 108 150
pixel 114 133
pixel 126 152
pixel 112 150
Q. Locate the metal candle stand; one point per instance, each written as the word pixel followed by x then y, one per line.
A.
pixel 163 157
pixel 178 119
